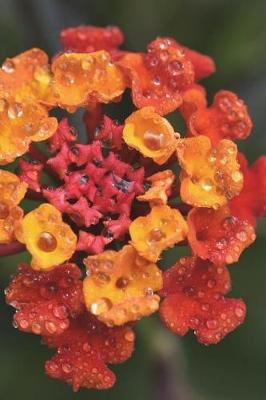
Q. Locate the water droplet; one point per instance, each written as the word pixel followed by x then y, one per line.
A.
pixel 205 307
pixel 212 324
pixel 15 111
pixel 23 324
pixel 86 347
pixel 175 67
pixel 100 306
pixel 154 140
pixel 87 63
pixel 60 312
pixel 67 368
pixel 156 81
pixel 237 176
pixel 239 312
pixel 211 283
pixel 148 291
pixel 8 66
pixel 122 282
pixel 36 328
pixel 225 104
pixel 207 185
pixel 129 336
pixel 50 327
pixel 47 242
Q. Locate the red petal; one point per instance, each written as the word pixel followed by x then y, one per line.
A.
pixel 158 77
pixel 203 65
pixel 251 202
pixel 218 236
pixel 45 300
pixel 91 38
pixel 194 300
pixel 85 348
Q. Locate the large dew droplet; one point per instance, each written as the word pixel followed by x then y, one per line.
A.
pixel 47 242
pixel 100 306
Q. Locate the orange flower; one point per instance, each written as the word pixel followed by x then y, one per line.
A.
pixel 161 183
pixel 26 77
pixel 226 118
pixel 49 240
pixel 160 229
pixel 120 286
pixel 218 236
pixel 150 134
pixel 12 191
pixel 158 77
pixel 81 79
pixel 210 175
pixel 20 124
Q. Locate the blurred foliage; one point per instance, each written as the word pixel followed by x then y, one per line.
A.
pixel 163 366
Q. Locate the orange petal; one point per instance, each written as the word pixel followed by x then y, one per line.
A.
pixel 161 183
pixel 120 286
pixel 149 133
pixel 226 118
pixel 210 175
pixel 161 228
pixel 84 78
pixel 158 77
pixel 49 240
pixel 9 223
pixel 218 236
pixel 20 124
pixel 26 77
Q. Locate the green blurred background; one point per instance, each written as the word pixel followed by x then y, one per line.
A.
pixel 163 367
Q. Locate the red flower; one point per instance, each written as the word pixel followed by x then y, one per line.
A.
pixel 85 348
pixel 251 202
pixel 45 301
pixel 90 38
pixel 218 236
pixel 226 118
pixel 158 77
pixel 194 299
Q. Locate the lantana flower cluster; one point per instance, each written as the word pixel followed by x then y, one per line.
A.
pixel 97 233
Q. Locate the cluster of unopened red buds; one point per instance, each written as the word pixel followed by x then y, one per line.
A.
pixel 114 204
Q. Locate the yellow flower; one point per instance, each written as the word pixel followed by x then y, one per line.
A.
pixel 161 228
pixel 150 134
pixel 120 286
pixel 12 191
pixel 210 176
pixel 49 240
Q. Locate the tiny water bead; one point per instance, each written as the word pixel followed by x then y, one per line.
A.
pixel 15 111
pixel 47 242
pixel 122 282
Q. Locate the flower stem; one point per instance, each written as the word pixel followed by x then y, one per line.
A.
pixel 11 248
